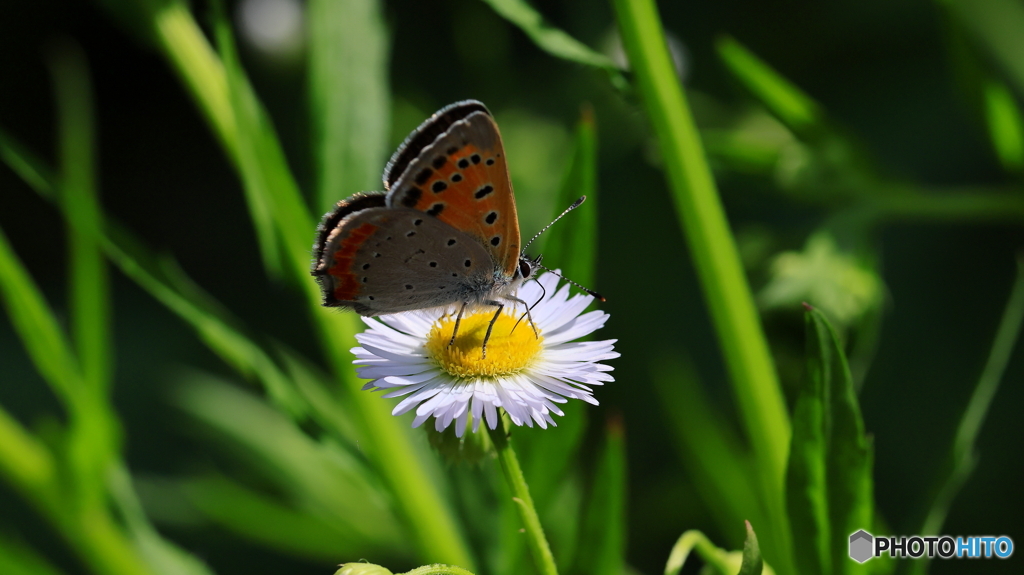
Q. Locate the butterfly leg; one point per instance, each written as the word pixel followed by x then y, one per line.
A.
pixel 490 326
pixel 458 320
pixel 526 315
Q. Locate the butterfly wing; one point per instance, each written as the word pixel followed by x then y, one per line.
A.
pixel 461 178
pixel 382 260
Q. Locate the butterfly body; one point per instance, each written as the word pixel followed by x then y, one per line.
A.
pixel 446 231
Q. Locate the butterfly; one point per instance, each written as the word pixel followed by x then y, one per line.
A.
pixel 444 233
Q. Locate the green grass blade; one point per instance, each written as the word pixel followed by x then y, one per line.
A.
pixel 165 281
pixel 790 104
pixel 602 548
pixel 572 243
pixel 29 168
pixel 271 524
pixel 249 125
pixel 963 457
pixel 350 100
pixel 849 454
pixel 192 57
pixel 37 326
pixel 25 461
pixel 89 284
pixel 168 284
pixel 317 476
pixel 94 432
pixel 714 456
pixel 753 376
pixel 164 557
pixel 553 40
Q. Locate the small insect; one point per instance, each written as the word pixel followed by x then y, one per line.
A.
pixel 445 233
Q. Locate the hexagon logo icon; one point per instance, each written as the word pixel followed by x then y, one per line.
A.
pixel 861 543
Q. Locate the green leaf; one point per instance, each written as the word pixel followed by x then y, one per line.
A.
pixel 713 248
pixel 829 481
pixel 1005 127
pixel 752 562
pixel 572 243
pixel 350 100
pixel 555 41
pixel 806 483
pixel 602 541
pixel 795 108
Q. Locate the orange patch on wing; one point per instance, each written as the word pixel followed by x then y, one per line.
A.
pixel 348 285
pixel 468 201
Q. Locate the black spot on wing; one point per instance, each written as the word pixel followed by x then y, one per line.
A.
pixel 411 197
pixel 440 161
pixel 495 241
pixel 423 176
pixel 475 158
pixel 483 192
pixel 438 187
pixel 456 177
pixel 463 163
pixel 491 217
pixel 436 209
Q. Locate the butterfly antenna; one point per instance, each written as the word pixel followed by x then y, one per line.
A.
pixel 586 289
pixel 574 205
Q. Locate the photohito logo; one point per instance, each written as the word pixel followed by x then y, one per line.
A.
pixel 864 546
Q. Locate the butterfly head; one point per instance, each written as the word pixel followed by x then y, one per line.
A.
pixel 527 267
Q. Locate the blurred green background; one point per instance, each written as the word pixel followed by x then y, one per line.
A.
pixel 901 79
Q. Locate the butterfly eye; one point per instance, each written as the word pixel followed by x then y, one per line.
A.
pixel 525 269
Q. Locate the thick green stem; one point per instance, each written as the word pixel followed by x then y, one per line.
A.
pixel 538 543
pixel 755 382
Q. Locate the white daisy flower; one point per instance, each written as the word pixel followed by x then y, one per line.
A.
pixel 526 373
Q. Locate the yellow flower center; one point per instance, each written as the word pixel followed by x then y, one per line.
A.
pixel 508 350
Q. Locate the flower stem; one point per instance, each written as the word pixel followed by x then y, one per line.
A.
pixel 524 503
